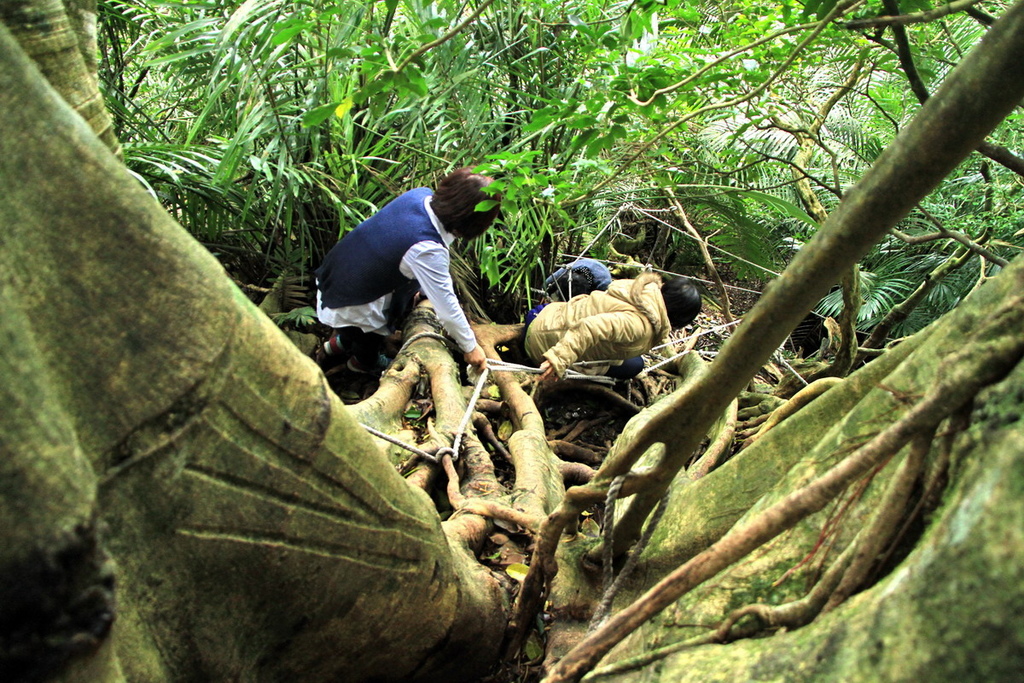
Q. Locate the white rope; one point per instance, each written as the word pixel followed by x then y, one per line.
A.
pixel 504 366
pixel 492 365
pixel 469 413
pixel 778 357
pixel 666 361
pixel 390 439
pixel 651 368
pixel 717 328
pixel 622 209
pixel 452 450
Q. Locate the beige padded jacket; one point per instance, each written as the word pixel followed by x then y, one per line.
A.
pixel 622 322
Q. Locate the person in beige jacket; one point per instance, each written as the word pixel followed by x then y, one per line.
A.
pixel 616 325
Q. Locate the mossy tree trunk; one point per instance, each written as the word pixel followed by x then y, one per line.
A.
pixel 943 593
pixel 152 414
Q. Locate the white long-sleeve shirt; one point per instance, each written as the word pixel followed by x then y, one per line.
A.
pixel 428 263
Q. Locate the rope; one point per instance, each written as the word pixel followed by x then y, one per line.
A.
pixel 457 443
pixel 609 527
pixel 504 366
pixel 611 589
pixel 390 439
pixel 712 330
pixel 649 369
pixel 666 361
pixel 451 451
pixel 608 554
pixel 492 365
pixel 427 335
pixel 778 357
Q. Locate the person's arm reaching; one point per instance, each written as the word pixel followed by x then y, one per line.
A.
pixel 428 263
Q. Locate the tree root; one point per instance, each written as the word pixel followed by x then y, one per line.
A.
pixel 799 400
pixel 501 512
pixel 575 453
pixel 994 348
pixel 543 567
pixel 752 404
pixel 640 661
pixel 793 614
pixel 750 427
pixel 486 433
pixel 575 473
pixel 721 445
pixel 849 571
pixel 602 393
pixel 883 527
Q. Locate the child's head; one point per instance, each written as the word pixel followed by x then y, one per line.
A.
pixel 682 301
pixel 455 199
pixel 572 282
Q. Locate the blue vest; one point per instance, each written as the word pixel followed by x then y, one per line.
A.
pixel 364 265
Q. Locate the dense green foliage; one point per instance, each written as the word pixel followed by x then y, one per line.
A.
pixel 270 127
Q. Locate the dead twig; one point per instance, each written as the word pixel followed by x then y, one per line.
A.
pixel 584 425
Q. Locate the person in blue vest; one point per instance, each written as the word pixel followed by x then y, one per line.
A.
pixel 582 276
pixel 368 280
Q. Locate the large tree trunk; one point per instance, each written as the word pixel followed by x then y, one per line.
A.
pixel 152 412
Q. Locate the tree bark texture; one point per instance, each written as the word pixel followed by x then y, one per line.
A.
pixel 158 417
pixel 61 40
pixel 949 611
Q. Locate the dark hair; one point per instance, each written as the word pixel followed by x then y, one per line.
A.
pixel 455 201
pixel 572 282
pixel 682 301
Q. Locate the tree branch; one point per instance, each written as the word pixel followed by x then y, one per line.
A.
pixel 945 233
pixel 1000 155
pixel 840 9
pixel 915 18
pixel 446 37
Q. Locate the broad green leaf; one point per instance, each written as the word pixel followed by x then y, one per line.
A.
pixel 788 208
pixel 534 648
pixel 416 82
pixel 316 116
pixel 286 33
pixel 517 571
